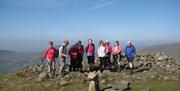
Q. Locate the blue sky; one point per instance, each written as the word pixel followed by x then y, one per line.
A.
pixel 27 25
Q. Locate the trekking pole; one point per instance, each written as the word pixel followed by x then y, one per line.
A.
pixel 42 63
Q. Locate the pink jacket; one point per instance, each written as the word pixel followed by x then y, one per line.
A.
pixel 90 49
pixel 108 48
pixel 116 49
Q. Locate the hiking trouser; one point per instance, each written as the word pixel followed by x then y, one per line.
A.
pixel 91 62
pixel 62 65
pixel 79 62
pixel 108 58
pixel 103 63
pixel 73 65
pixel 51 66
pixel 117 58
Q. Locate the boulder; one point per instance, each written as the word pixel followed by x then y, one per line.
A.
pixel 42 76
pixel 63 83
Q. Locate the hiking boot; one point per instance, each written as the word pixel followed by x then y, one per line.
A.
pixel 131 71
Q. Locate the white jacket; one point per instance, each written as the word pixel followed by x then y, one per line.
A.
pixel 101 51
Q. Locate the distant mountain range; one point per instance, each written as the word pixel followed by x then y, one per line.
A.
pixel 12 60
pixel 171 49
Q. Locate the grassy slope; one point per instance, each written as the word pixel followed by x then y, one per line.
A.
pixel 12 82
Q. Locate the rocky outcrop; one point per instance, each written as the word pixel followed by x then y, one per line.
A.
pixel 156 66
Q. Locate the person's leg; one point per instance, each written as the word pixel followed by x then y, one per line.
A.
pixel 81 60
pixel 105 62
pixel 53 67
pixel 130 65
pixel 71 63
pixel 78 64
pixel 130 62
pixel 48 67
pixel 109 58
pixel 101 64
pixel 115 59
pixel 89 63
pixel 62 65
pixel 92 62
pixel 74 65
pixel 49 64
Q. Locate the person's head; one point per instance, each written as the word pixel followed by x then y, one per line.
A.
pixel 79 42
pixel 50 44
pixel 107 42
pixel 129 43
pixel 90 41
pixel 117 42
pixel 100 42
pixel 66 42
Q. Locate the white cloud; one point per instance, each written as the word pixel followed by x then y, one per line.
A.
pixel 107 3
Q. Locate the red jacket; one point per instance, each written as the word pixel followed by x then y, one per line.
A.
pixel 80 49
pixel 73 52
pixel 50 53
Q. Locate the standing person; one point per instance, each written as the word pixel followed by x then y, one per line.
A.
pixel 130 52
pixel 73 52
pixel 90 51
pixel 117 54
pixel 80 55
pixel 50 54
pixel 63 54
pixel 109 51
pixel 102 55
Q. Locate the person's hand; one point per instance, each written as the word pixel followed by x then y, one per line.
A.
pixel 114 53
pixel 133 54
pixel 65 55
pixel 42 63
pixel 124 54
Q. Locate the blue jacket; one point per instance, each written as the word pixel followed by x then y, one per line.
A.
pixel 130 51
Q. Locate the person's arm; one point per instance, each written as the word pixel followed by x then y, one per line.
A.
pixel 94 48
pixel 134 50
pixel 106 50
pixel 119 49
pixel 69 52
pixel 125 51
pixel 44 54
pixel 86 49
pixel 43 57
pixel 98 51
pixel 110 49
pixel 83 50
pixel 60 51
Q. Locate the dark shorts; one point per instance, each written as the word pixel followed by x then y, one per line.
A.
pixel 130 59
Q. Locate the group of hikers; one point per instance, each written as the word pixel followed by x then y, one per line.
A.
pixel 77 51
